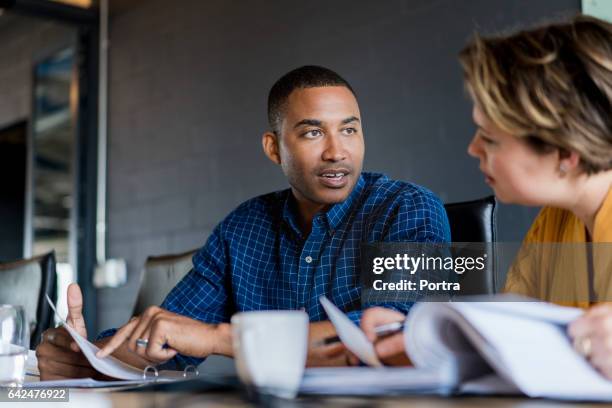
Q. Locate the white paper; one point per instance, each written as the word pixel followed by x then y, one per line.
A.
pixel 82 383
pixel 109 365
pixel 352 337
pixel 533 353
pixel 373 381
pixel 524 342
pixel 489 384
pixel 32 364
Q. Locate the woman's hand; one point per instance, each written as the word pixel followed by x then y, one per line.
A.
pixel 166 334
pixel 592 336
pixel 391 349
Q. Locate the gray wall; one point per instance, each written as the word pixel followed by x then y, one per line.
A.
pixel 188 87
pixel 23 43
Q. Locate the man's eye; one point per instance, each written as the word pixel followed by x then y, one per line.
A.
pixel 349 131
pixel 312 133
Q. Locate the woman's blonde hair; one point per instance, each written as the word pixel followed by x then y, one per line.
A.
pixel 551 85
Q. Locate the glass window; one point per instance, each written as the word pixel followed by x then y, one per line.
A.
pixel 55 88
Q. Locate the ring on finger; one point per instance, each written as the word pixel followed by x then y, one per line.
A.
pixel 584 346
pixel 142 342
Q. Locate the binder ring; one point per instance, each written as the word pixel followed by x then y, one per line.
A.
pixel 191 368
pixel 146 370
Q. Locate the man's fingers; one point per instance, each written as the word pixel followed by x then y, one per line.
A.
pixel 352 359
pixel 58 337
pixel 143 325
pixel 51 352
pixel 155 348
pixel 75 309
pixel 118 339
pixel 390 346
pixel 378 316
pixel 143 350
pixel 332 350
pixel 53 369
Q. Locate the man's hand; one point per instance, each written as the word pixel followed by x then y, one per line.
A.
pixel 390 350
pixel 592 334
pixel 58 355
pixel 167 334
pixel 334 354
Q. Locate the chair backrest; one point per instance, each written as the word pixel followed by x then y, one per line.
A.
pixel 159 276
pixel 26 282
pixel 475 221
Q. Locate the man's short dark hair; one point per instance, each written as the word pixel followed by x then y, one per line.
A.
pixel 308 76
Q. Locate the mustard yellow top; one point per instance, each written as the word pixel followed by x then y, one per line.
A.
pixel 552 262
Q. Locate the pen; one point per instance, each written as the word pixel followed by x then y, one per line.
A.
pixel 381 331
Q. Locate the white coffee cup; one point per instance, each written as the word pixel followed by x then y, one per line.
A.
pixel 270 349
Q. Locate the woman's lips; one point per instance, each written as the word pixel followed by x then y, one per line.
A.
pixel 488 179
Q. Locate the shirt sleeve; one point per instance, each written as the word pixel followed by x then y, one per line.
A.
pixel 201 294
pixel 418 216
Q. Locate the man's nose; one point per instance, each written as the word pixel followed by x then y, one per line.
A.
pixel 334 149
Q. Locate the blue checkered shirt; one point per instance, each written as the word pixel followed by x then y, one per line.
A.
pixel 257 258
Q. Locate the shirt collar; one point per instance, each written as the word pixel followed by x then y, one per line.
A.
pixel 338 212
pixel 334 215
pixel 289 213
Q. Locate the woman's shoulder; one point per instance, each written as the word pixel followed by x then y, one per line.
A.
pixel 552 225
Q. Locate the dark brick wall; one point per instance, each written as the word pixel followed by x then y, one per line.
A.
pixel 188 86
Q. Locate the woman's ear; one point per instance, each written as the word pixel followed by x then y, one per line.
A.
pixel 269 142
pixel 568 161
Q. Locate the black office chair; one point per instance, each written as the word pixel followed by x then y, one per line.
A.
pixel 26 282
pixel 475 221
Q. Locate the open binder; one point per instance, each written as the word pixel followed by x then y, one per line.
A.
pixel 493 345
pixel 112 367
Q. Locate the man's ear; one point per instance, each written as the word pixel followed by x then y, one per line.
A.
pixel 269 142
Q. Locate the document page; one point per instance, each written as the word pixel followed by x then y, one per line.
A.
pixel 352 337
pixel 374 381
pixel 110 365
pixel 533 352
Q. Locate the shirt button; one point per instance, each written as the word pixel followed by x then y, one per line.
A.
pixel 308 259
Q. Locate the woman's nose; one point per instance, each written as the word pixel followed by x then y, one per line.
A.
pixel 474 148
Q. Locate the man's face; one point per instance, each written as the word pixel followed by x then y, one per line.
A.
pixel 321 144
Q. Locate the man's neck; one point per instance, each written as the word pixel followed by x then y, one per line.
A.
pixel 306 211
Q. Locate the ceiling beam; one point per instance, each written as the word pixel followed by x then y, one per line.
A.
pixel 52 10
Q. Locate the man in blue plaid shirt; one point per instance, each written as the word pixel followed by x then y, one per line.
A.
pixel 284 250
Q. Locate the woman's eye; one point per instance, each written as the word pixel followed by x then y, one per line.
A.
pixel 312 133
pixel 486 139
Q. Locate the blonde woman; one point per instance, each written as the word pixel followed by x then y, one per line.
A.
pixel 542 108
